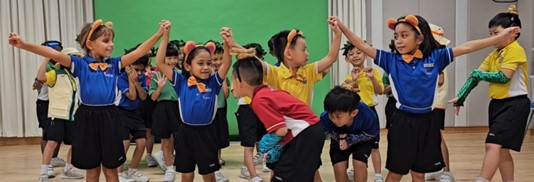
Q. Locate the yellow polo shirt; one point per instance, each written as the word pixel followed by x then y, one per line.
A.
pixel 367 90
pixel 281 78
pixel 511 57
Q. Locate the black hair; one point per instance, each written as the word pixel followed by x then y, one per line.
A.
pixel 248 70
pixel 348 47
pixel 280 41
pixel 172 50
pixel 429 44
pixel 189 58
pixel 219 49
pixel 270 43
pixel 54 44
pixel 260 53
pixel 505 20
pixel 177 43
pixel 340 99
pixel 392 47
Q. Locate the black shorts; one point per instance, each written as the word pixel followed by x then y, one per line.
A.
pixel 414 143
pixel 250 127
pixel 96 138
pixel 301 157
pixel 439 118
pixel 375 142
pixel 508 121
pixel 196 146
pixel 220 123
pixel 359 151
pixel 165 119
pixel 42 113
pixel 147 108
pixel 59 130
pixel 131 124
pixel 390 109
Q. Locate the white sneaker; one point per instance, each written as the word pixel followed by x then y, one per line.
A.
pixel 150 161
pixel 446 177
pixel 244 173
pixel 57 162
pixel 160 160
pixel 43 178
pixel 265 169
pixel 72 174
pixel 123 178
pixel 258 159
pixel 350 174
pixel 50 172
pixel 256 179
pixel 219 177
pixel 432 175
pixel 169 175
pixel 137 177
pixel 379 178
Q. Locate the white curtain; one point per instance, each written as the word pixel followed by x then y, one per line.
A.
pixel 35 21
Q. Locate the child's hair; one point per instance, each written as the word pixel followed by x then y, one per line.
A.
pixel 505 20
pixel 99 31
pixel 218 47
pixel 172 50
pixel 280 42
pixel 348 46
pixel 343 98
pixel 429 44
pixel 260 53
pixel 392 47
pixel 54 44
pixel 248 70
pixel 177 43
pixel 142 60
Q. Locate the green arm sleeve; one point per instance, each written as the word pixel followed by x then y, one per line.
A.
pixel 493 77
pixel 469 85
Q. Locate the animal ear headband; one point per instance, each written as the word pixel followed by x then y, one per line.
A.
pixel 291 36
pixel 97 24
pixel 411 19
pixel 190 46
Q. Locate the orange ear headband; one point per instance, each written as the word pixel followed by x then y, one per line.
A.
pixel 411 19
pixel 190 45
pixel 291 36
pixel 97 24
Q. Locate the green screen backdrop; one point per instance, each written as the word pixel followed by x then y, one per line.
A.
pixel 134 21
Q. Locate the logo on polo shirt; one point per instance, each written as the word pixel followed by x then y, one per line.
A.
pixel 428 68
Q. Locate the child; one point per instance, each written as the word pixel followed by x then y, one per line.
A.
pixel 195 142
pixel 506 70
pixel 165 115
pixel 147 108
pixel 413 140
pixel 132 85
pixel 295 140
pixel 352 127
pixel 63 103
pixel 370 84
pixel 180 45
pixel 97 143
pixel 220 121
pixel 440 104
pixel 251 130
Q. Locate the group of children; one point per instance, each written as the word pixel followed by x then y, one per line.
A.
pixel 184 103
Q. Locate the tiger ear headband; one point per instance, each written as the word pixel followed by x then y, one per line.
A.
pixel 95 25
pixel 190 46
pixel 411 19
pixel 291 36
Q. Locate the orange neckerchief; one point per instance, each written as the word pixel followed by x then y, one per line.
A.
pixel 408 58
pixel 95 66
pixel 298 77
pixel 192 81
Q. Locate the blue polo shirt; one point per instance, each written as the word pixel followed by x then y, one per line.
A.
pixel 96 88
pixel 414 84
pixel 124 87
pixel 197 109
pixel 366 121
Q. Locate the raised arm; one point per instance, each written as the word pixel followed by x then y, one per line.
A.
pixel 326 63
pixel 226 34
pixel 45 51
pixel 145 46
pixel 160 56
pixel 475 45
pixel 357 41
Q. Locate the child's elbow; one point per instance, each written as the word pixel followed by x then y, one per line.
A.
pixel 281 131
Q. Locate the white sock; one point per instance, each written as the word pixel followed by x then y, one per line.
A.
pixel 44 169
pixel 481 179
pixel 378 175
pixel 171 168
pixel 67 167
pixel 131 170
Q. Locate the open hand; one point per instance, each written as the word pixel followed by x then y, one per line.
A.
pixel 161 79
pixel 456 108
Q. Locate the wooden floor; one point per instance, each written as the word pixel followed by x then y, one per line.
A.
pixel 22 162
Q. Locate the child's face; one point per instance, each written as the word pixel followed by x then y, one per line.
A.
pixel 180 55
pixel 298 55
pixel 406 40
pixel 200 65
pixel 139 69
pixel 236 84
pixel 494 31
pixel 355 57
pixel 102 46
pixel 171 60
pixel 341 119
pixel 216 60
